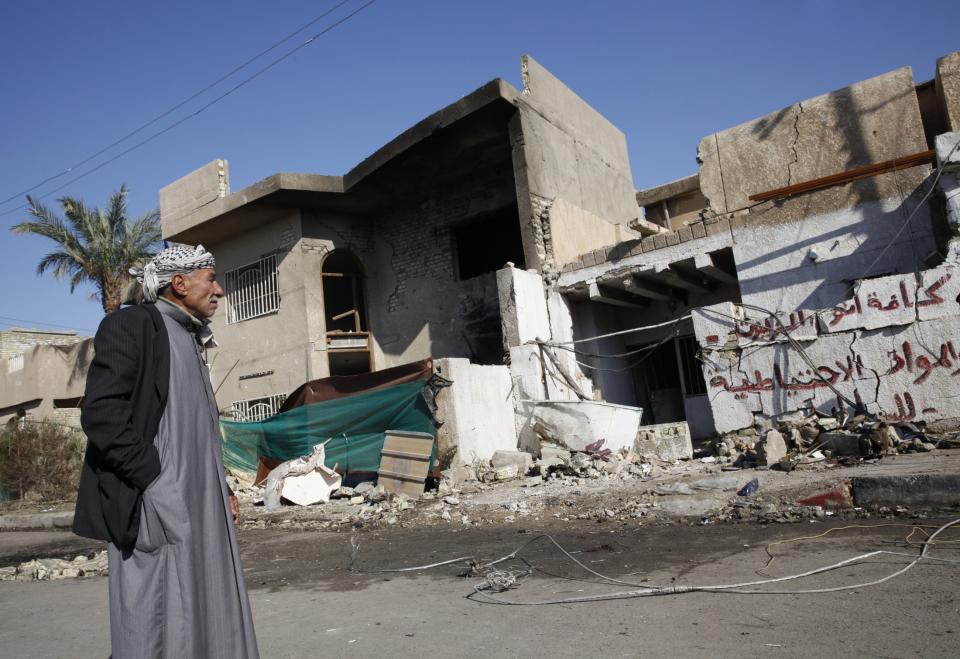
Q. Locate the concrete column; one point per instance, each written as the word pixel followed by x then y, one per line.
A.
pixel 523 307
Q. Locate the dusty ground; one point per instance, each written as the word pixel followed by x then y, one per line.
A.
pixel 525 501
pixel 306 603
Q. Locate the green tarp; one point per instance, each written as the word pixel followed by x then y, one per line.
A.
pixel 355 423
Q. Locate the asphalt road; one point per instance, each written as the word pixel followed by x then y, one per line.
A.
pixel 307 603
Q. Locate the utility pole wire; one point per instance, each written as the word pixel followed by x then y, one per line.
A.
pixel 219 98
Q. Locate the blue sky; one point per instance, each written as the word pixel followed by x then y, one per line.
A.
pixel 78 76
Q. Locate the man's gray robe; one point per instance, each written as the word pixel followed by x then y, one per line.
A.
pixel 181 592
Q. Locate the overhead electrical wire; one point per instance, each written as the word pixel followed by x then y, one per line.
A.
pixel 499 580
pixel 176 107
pixel 38 322
pixel 202 108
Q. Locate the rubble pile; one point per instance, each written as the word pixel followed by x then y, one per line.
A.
pixel 819 437
pixel 51 569
pixel 556 462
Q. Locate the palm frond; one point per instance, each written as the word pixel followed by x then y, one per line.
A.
pixel 93 246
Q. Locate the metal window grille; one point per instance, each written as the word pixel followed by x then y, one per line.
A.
pixel 15 363
pixel 257 409
pixel 252 290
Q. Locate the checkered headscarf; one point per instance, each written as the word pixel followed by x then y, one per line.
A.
pixel 159 271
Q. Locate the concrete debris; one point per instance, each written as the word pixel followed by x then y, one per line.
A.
pixel 553 456
pixel 522 460
pixel 507 473
pixel 816 438
pixel 51 569
pixel 363 488
pixel 668 442
pixel 772 449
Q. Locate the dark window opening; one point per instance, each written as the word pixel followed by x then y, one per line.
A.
pixel 488 243
pixel 343 303
pixel 931 111
pixel 687 349
pixel 348 341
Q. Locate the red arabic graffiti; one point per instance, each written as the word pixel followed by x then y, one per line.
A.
pixel 874 302
pixel 804 379
pixel 769 328
pixel 923 363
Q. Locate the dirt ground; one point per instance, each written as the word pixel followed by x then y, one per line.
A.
pixel 307 602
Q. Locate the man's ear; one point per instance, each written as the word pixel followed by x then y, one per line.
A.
pixel 178 284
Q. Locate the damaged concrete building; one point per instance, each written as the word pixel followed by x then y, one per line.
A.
pixel 809 260
pixel 42 374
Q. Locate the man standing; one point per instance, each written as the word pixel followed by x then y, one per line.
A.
pixel 153 481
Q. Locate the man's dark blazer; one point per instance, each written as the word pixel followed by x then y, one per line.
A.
pixel 125 397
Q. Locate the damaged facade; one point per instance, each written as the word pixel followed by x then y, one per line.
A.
pixel 836 294
pixel 42 374
pixel 398 259
pixel 502 237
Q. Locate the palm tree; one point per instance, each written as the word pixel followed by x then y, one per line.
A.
pixel 94 246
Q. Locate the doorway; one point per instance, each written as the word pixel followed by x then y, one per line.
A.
pixel 345 315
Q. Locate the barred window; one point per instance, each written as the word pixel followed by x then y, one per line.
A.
pixel 257 409
pixel 252 290
pixel 15 363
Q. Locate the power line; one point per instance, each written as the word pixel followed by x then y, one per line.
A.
pixel 202 108
pixel 175 107
pixel 37 322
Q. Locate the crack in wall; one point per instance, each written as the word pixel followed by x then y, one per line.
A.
pixel 393 300
pixel 793 144
pixel 876 374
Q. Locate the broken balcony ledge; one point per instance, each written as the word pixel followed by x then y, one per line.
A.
pixel 633 254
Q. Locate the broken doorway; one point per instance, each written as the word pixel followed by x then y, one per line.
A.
pixel 345 314
pixel 670 386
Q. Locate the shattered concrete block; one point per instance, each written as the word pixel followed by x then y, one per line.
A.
pixel 506 473
pixel 772 449
pixel 664 441
pixel 841 443
pixel 521 460
pixel 553 456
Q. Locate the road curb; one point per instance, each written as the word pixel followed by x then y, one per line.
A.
pixel 37 521
pixel 913 491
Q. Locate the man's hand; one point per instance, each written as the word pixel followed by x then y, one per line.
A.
pixel 235 508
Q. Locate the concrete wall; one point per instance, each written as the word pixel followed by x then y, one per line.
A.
pixel 523 307
pixel 570 155
pixel 870 121
pixel 948 88
pixel 16 340
pixel 477 411
pixel 418 306
pixel 575 231
pixel 893 347
pixel 183 197
pixel 48 373
pixel 811 262
pixel 275 344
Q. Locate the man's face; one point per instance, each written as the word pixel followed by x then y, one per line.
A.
pixel 199 292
